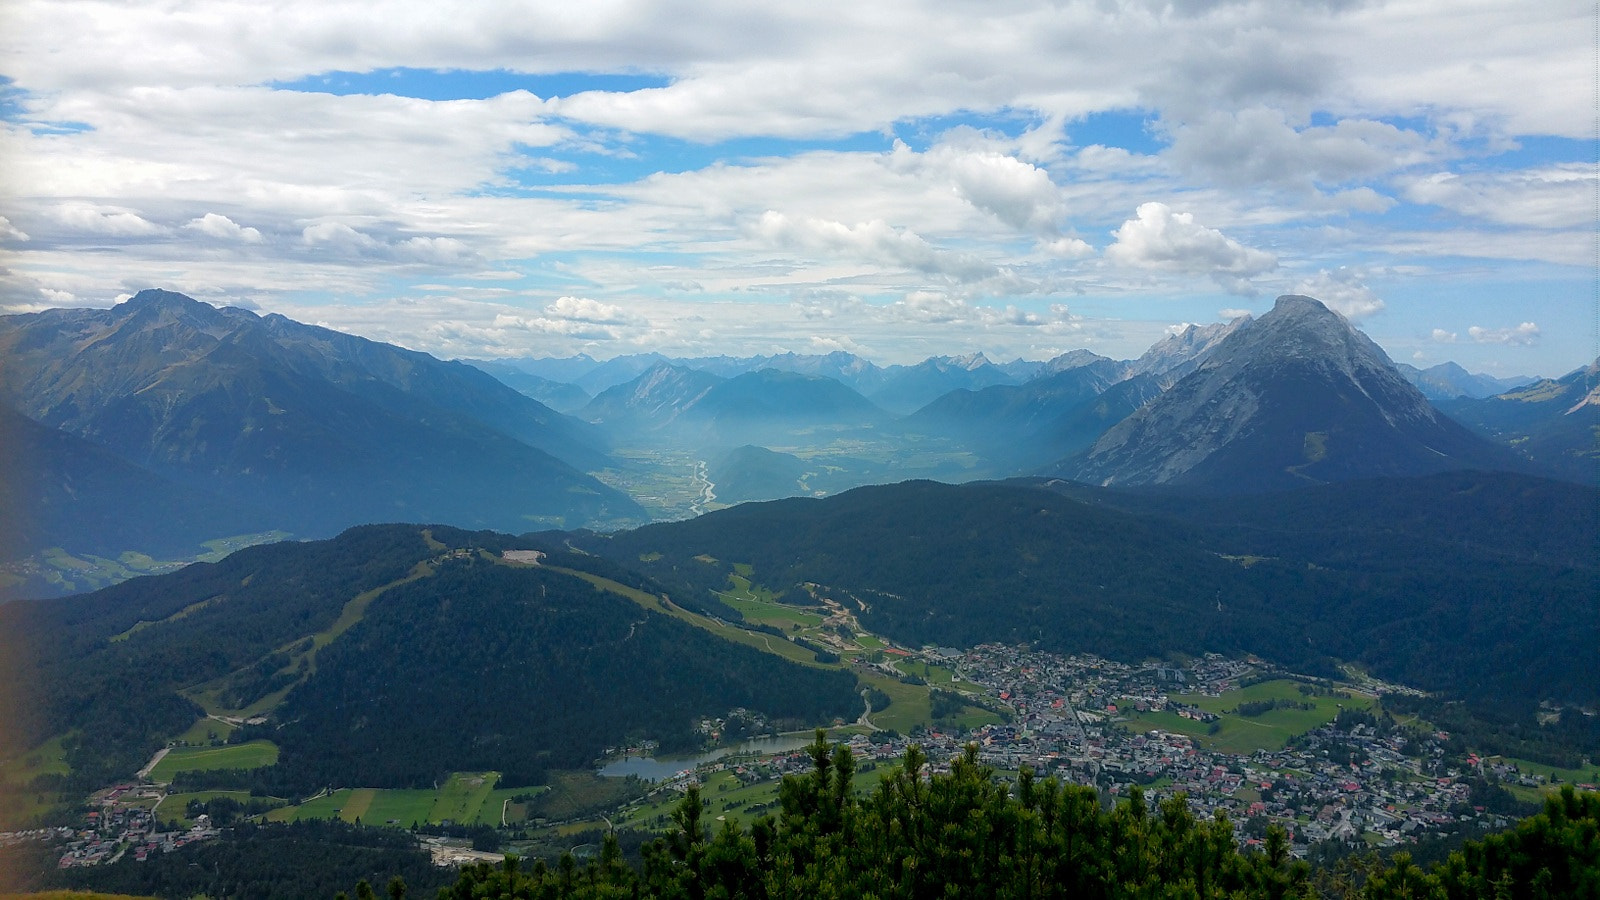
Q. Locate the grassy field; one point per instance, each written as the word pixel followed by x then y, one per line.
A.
pixel 48 758
pixel 462 796
pixel 466 798
pixel 174 807
pixel 250 755
pixel 1587 775
pixel 1246 734
pixel 729 799
pixel 205 730
pixel 580 793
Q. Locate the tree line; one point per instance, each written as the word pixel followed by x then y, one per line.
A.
pixel 966 834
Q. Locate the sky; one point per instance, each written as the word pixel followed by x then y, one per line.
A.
pixel 895 179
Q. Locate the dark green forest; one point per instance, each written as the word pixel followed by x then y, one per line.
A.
pixel 967 834
pixel 254 862
pixel 520 670
pixel 1416 587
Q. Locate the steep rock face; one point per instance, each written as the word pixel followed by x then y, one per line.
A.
pixel 655 398
pixel 320 429
pixel 1179 354
pixel 1297 397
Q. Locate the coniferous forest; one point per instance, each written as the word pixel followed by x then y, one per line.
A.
pixel 966 834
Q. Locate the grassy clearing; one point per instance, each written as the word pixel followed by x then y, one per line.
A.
pixel 250 755
pixel 462 796
pixel 49 758
pixel 573 794
pixel 324 807
pixel 1270 730
pixel 1587 775
pixel 728 798
pixel 205 730
pixel 465 798
pixel 774 645
pixel 174 807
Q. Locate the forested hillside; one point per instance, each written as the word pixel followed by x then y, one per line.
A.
pixel 520 670
pixel 1426 595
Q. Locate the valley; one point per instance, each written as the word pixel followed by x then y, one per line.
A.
pixel 1254 568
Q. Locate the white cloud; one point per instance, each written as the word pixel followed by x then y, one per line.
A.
pixel 582 309
pixel 111 221
pixel 11 232
pixel 1524 335
pixel 1545 197
pixel 1344 291
pixel 875 241
pixel 337 236
pixel 1159 238
pixel 223 228
pixel 1258 145
pixel 1441 336
pixel 1068 248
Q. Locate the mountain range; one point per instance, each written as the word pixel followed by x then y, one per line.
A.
pixel 258 425
pixel 308 429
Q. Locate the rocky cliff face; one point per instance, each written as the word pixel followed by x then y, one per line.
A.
pixel 1296 397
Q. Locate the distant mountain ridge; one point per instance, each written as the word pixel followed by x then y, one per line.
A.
pixel 1296 397
pixel 317 428
pixel 1555 421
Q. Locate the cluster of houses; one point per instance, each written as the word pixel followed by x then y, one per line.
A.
pixel 1331 784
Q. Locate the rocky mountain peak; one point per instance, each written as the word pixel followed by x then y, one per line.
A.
pixel 1299 396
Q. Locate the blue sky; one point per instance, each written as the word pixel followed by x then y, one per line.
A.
pixel 897 179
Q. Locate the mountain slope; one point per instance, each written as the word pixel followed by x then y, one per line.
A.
pixel 1447 381
pixel 1430 587
pixel 1019 428
pixel 1297 397
pixel 1177 355
pixel 913 387
pixel 699 408
pixel 406 653
pixel 1554 422
pixel 59 490
pixel 557 395
pixel 318 428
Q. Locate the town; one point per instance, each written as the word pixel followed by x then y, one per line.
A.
pixel 1329 764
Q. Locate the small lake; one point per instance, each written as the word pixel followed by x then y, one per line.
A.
pixel 654 769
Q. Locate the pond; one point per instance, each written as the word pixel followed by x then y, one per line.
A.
pixel 661 768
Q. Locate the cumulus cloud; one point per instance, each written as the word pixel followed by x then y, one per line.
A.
pixel 875 241
pixel 110 221
pixel 337 236
pixel 223 228
pixel 1017 193
pixel 583 309
pixel 342 241
pixel 1068 248
pixel 1344 291
pixel 1441 336
pixel 1159 238
pixel 1524 335
pixel 1259 145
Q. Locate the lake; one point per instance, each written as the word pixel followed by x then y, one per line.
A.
pixel 653 769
